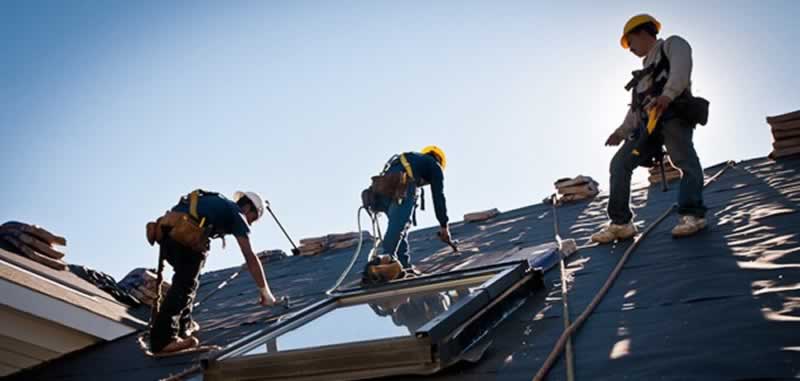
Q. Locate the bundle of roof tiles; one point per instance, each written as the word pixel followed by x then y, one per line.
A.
pixel 142 284
pixel 35 243
pixel 481 216
pixel 786 134
pixel 268 256
pixel 318 245
pixel 576 189
pixel 671 173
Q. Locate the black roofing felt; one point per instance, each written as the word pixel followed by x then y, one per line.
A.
pixel 724 304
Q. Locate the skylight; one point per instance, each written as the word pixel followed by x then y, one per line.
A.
pixel 415 326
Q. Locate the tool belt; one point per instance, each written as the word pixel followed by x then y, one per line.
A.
pixel 392 185
pixel 187 229
pixel 691 109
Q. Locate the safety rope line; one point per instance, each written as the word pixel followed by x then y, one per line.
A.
pixel 570 358
pixel 567 334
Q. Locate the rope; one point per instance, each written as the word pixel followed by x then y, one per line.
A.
pixel 551 359
pixel 566 335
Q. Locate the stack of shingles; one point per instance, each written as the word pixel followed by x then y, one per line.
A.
pixel 142 284
pixel 268 256
pixel 481 216
pixel 576 189
pixel 786 133
pixel 35 243
pixel 318 245
pixel 670 172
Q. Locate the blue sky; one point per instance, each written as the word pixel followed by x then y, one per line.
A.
pixel 111 110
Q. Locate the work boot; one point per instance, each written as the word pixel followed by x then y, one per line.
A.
pixel 412 272
pixel 688 225
pixel 190 329
pixel 612 232
pixel 177 344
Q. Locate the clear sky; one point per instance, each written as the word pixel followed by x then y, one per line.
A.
pixel 111 110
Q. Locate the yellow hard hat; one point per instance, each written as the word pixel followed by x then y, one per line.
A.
pixel 438 152
pixel 635 21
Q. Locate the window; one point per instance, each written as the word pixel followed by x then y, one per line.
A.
pixel 413 326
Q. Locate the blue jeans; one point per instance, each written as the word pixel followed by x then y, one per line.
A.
pixel 678 140
pixel 395 240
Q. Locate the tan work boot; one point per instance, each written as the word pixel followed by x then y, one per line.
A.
pixel 612 232
pixel 688 225
pixel 179 344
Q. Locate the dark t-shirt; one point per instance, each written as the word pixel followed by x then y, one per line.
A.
pixel 223 214
pixel 427 171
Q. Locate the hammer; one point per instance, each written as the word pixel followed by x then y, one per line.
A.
pixel 452 242
pixel 283 302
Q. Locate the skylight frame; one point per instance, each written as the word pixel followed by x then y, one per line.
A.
pixel 436 344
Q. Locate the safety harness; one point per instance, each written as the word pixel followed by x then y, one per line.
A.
pixel 393 186
pixel 649 140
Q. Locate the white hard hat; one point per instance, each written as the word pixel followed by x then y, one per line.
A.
pixel 257 201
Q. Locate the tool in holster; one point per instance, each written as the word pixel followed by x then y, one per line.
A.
pixel 649 148
pixel 295 250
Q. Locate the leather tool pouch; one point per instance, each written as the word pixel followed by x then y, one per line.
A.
pixel 392 185
pixel 181 228
pixel 692 109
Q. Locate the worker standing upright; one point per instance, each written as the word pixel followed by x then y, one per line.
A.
pixel 661 94
pixel 395 193
pixel 183 235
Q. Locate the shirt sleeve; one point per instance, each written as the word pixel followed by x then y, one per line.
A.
pixel 239 226
pixel 437 191
pixel 680 66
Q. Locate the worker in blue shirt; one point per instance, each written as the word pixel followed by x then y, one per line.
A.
pixel 183 235
pixel 420 169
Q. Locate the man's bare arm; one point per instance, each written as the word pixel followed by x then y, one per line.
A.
pixel 256 271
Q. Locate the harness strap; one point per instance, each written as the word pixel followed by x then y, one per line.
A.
pixel 193 199
pixel 407 166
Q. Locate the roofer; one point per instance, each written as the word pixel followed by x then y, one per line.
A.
pixel 394 192
pixel 663 86
pixel 184 234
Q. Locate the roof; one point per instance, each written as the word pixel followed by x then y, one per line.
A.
pixel 63 286
pixel 724 304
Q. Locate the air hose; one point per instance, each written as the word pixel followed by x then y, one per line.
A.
pixel 376 233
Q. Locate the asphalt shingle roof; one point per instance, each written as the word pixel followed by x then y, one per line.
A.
pixel 724 304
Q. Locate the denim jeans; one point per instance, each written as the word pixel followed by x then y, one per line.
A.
pixel 395 240
pixel 677 135
pixel 176 309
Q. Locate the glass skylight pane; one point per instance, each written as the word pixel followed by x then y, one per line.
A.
pixel 383 318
